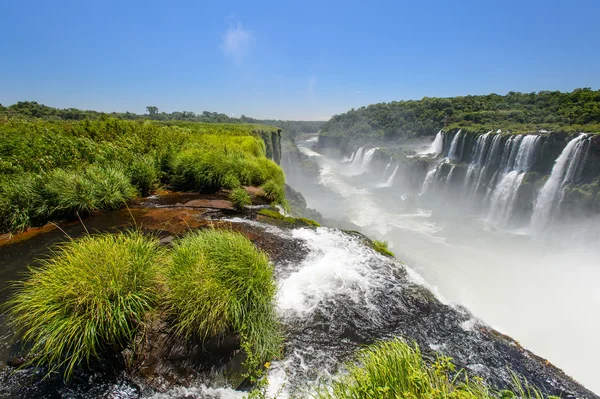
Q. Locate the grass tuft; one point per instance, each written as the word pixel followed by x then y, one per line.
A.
pixel 240 198
pixel 395 369
pixel 382 248
pixel 89 299
pixel 221 284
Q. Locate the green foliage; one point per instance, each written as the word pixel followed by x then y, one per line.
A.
pixel 89 299
pixel 274 192
pixel 394 369
pixel 96 188
pixel 63 165
pixel 277 216
pixel 219 284
pixel 143 174
pixel 240 198
pixel 520 112
pixel 382 248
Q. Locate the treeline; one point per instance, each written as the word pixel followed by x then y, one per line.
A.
pixel 551 110
pixel 32 109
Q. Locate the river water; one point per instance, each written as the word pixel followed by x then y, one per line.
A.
pixel 543 293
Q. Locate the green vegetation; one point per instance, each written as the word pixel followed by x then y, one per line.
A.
pixel 219 284
pixel 58 169
pixel 518 112
pixel 31 109
pixel 240 198
pixel 90 298
pixel 382 248
pixel 287 220
pixel 394 369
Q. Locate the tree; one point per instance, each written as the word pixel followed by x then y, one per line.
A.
pixel 152 110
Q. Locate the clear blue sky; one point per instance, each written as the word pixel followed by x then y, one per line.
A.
pixel 307 60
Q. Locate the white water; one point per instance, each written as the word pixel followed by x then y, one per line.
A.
pixel 437 146
pixel 390 181
pixel 504 194
pixel 454 145
pixel 542 294
pixel 564 171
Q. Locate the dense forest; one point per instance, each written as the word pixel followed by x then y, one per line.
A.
pixel 32 109
pixel 519 112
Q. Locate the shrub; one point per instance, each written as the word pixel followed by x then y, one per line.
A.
pixel 89 298
pixel 240 198
pixel 220 284
pixel 382 248
pixel 143 174
pixel 394 369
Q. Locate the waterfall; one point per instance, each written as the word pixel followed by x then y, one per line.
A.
pixel 437 146
pixel 520 153
pixel 387 167
pixel 454 145
pixel 390 180
pixel 367 158
pixel 477 167
pixel 429 179
pixel 358 157
pixel 566 169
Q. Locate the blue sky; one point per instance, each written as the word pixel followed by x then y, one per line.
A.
pixel 301 60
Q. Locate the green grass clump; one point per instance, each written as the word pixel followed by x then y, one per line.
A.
pixel 97 188
pixel 394 369
pixel 143 174
pixel 274 192
pixel 277 216
pixel 221 284
pixel 20 199
pixel 382 248
pixel 240 198
pixel 89 299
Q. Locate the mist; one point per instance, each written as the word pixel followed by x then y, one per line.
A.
pixel 539 287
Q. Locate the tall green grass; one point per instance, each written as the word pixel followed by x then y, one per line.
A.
pixel 394 369
pixel 71 165
pixel 89 299
pixel 220 284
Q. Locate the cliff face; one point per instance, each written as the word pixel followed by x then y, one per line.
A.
pixel 272 142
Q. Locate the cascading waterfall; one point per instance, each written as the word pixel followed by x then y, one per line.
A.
pixel 390 179
pixel 521 152
pixel 454 145
pixel 566 169
pixel 387 167
pixel 429 180
pixel 358 156
pixel 367 158
pixel 437 146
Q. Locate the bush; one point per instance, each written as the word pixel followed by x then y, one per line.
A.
pixel 240 198
pixel 394 369
pixel 382 248
pixel 89 298
pixel 220 284
pixel 143 174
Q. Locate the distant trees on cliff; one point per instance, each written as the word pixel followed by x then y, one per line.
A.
pixel 428 115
